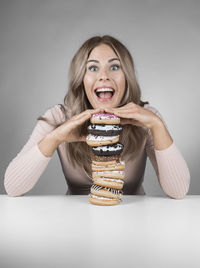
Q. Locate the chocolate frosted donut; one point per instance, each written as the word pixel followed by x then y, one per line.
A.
pixel 112 183
pixel 104 130
pixel 107 150
pixel 106 192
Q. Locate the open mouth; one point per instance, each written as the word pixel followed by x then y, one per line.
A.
pixel 104 94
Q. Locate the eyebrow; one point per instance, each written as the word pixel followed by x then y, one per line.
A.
pixel 108 60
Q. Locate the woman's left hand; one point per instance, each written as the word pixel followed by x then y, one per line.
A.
pixel 134 114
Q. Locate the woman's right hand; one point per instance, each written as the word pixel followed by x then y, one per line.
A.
pixel 68 130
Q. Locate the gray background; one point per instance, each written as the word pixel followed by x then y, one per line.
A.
pixel 38 40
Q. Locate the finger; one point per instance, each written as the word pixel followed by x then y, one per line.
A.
pixel 131 116
pixel 126 108
pixel 98 110
pixel 86 115
pixel 128 105
pixel 78 121
pixel 88 112
pixel 125 113
pixel 109 110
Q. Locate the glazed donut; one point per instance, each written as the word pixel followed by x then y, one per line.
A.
pixel 103 201
pixel 104 118
pixel 104 130
pixel 107 150
pixel 115 166
pixel 94 140
pixel 109 182
pixel 104 163
pixel 114 174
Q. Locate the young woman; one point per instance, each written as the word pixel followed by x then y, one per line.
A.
pixel 106 64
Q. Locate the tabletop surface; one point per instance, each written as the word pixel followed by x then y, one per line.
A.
pixel 68 231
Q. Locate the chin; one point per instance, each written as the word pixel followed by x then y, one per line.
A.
pixel 105 105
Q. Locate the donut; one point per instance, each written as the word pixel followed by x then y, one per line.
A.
pixel 103 201
pixel 108 170
pixel 107 150
pixel 116 166
pixel 106 192
pixel 94 140
pixel 104 163
pixel 115 174
pixel 107 158
pixel 104 130
pixel 109 182
pixel 104 118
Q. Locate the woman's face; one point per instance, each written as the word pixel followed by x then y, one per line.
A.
pixel 104 80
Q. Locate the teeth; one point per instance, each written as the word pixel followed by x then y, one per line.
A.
pixel 104 90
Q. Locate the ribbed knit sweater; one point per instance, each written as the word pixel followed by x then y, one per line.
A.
pixel 25 169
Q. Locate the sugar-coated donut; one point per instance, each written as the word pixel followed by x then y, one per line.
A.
pixel 115 174
pixel 103 201
pixel 116 166
pixel 114 149
pixel 104 118
pixel 109 182
pixel 94 140
pixel 104 130
pixel 106 192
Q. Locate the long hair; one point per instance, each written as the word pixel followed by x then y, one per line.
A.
pixel 76 101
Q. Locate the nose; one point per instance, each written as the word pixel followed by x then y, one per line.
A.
pixel 103 75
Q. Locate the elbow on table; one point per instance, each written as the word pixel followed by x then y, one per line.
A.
pixel 12 186
pixel 13 193
pixel 179 194
pixel 178 189
pixel 11 190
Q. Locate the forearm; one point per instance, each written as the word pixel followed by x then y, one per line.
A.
pixel 173 173
pixel 161 136
pixel 49 144
pixel 24 171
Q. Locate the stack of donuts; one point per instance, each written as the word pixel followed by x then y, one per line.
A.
pixel 107 167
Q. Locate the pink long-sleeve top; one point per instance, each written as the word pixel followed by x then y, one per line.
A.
pixel 25 169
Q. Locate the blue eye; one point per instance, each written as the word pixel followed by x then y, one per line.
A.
pixel 93 68
pixel 115 67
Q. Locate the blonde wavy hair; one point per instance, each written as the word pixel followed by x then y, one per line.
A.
pixel 76 101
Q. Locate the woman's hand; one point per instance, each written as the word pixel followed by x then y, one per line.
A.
pixel 68 130
pixel 134 114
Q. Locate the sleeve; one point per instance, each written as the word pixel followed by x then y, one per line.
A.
pixel 25 169
pixel 170 167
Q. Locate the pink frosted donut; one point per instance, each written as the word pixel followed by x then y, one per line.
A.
pixel 104 118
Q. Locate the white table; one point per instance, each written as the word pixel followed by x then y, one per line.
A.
pixel 67 231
